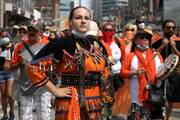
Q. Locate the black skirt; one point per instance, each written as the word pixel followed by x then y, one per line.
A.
pixel 173 87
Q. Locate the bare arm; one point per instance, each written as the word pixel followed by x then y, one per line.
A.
pixel 7 65
pixel 59 92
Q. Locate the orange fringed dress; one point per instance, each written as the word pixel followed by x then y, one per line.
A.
pixel 62 55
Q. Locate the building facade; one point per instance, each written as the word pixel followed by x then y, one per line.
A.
pixel 114 11
pixel 152 10
pixel 65 8
pixel 16 12
pixel 171 10
pixel 109 7
pixel 97 11
pixel 86 3
pixel 56 12
pixel 46 10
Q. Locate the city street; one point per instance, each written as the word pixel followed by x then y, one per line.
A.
pixel 86 55
pixel 174 116
pixel 16 113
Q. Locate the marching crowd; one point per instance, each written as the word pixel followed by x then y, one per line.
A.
pixel 94 73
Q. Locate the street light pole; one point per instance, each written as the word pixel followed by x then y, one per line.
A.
pixel 56 11
pixel 1 13
pixel 42 15
pixel 59 11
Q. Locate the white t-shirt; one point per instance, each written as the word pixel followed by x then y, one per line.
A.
pixel 116 54
pixel 134 82
pixel 6 54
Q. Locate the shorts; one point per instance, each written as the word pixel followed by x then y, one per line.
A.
pixel 4 76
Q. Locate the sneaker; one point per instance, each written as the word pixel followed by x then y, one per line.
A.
pixel 4 118
pixel 11 116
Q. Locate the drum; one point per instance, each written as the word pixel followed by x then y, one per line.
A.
pixel 169 65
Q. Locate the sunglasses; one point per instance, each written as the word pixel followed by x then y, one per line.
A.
pixel 130 30
pixel 22 32
pixel 108 30
pixel 144 37
pixel 169 27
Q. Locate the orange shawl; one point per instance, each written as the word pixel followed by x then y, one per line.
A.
pixel 147 63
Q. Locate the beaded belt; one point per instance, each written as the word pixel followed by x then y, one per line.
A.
pixel 73 79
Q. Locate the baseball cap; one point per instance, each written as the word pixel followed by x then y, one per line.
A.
pixel 36 25
pixel 23 27
pixel 15 27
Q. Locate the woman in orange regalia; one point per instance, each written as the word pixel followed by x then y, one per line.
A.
pixel 82 64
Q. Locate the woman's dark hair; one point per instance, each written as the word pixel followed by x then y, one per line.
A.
pixel 168 21
pixel 52 32
pixel 72 11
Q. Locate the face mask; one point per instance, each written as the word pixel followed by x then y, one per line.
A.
pixel 142 47
pixel 5 40
pixel 129 35
pixel 168 35
pixel 141 25
pixel 74 31
pixel 108 36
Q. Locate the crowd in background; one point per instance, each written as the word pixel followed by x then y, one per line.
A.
pixel 128 77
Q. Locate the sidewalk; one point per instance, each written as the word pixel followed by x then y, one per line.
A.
pixel 16 113
pixel 15 108
pixel 175 115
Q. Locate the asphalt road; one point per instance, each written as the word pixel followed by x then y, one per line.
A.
pixel 16 113
pixel 175 115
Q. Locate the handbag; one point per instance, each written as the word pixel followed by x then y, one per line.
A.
pixel 155 95
pixel 117 81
